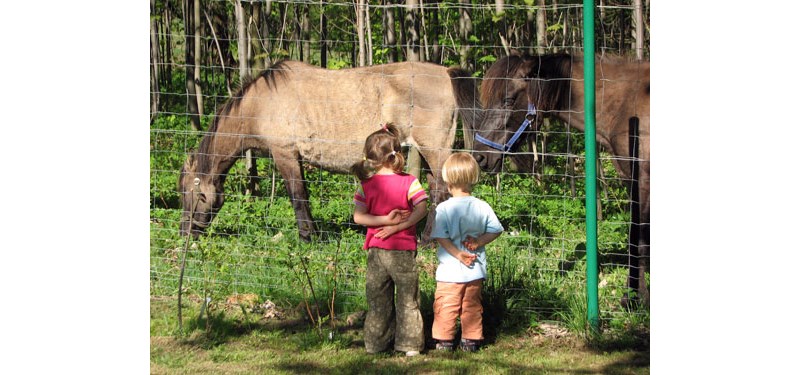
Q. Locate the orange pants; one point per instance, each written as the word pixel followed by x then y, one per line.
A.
pixel 454 300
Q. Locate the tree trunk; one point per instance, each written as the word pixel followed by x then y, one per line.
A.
pixel 301 33
pixel 265 33
pixel 257 52
pixel 368 25
pixel 499 9
pixel 362 58
pixel 389 37
pixel 464 29
pixel 244 69
pixel 219 52
pixel 436 50
pixel 191 101
pixel 323 39
pixel 412 29
pixel 425 55
pixel 305 33
pixel 402 42
pixel 541 28
pixel 638 24
pixel 168 60
pixel 154 63
pixel 282 14
pixel 198 56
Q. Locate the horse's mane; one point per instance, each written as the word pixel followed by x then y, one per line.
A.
pixel 269 75
pixel 549 79
pixel 464 89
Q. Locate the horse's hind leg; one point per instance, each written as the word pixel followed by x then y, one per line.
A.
pixel 289 166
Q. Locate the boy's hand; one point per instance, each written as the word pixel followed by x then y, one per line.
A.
pixel 471 243
pixel 467 258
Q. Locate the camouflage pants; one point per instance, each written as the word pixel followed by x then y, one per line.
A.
pixel 387 320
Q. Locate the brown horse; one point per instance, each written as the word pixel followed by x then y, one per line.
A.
pixel 520 87
pixel 301 113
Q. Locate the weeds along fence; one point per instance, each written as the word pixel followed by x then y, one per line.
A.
pixel 537 267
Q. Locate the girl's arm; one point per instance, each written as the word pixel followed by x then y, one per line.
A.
pixel 420 210
pixel 462 256
pixel 361 216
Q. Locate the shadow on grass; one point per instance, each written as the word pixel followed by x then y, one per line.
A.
pixel 635 360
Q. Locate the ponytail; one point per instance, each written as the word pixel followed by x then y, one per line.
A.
pixel 382 148
pixel 364 169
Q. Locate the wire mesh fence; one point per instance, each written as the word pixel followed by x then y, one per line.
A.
pixel 253 244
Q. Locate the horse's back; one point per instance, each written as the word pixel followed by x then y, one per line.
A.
pixel 327 114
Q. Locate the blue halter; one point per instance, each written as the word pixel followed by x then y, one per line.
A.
pixel 529 117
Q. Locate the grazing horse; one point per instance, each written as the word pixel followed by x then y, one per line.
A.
pixel 518 91
pixel 301 113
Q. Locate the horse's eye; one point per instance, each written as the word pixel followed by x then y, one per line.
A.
pixel 508 102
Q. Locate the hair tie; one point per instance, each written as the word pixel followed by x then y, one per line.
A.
pixel 394 152
pixel 383 126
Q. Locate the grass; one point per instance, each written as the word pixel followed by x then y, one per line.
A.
pixel 234 345
pixel 536 277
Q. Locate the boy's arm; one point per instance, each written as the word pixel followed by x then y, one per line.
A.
pixel 462 256
pixel 473 243
pixel 420 210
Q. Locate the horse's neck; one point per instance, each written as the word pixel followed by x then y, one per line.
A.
pixel 222 152
pixel 574 114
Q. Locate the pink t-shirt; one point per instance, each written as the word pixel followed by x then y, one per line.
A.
pixel 383 193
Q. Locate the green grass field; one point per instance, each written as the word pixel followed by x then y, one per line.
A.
pixel 239 344
pixel 536 282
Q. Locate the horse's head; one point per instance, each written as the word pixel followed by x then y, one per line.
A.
pixel 504 102
pixel 201 198
pixel 515 93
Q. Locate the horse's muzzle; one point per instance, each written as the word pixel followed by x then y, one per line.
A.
pixel 488 162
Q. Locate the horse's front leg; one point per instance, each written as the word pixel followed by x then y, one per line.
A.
pixel 290 167
pixel 437 190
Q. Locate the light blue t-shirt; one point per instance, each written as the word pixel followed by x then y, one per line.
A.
pixel 457 218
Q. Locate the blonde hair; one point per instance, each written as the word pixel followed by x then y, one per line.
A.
pixel 382 148
pixel 461 170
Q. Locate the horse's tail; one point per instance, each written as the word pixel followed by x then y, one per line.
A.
pixel 467 100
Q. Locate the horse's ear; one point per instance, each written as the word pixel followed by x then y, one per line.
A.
pixel 515 52
pixel 530 67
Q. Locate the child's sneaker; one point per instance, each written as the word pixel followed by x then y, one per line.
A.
pixel 412 353
pixel 445 345
pixel 470 345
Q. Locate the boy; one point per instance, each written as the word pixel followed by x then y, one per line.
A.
pixel 464 225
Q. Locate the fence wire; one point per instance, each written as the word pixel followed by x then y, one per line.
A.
pixel 536 268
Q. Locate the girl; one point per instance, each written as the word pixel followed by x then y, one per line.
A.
pixel 390 203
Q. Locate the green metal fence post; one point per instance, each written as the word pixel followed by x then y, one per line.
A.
pixel 591 165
